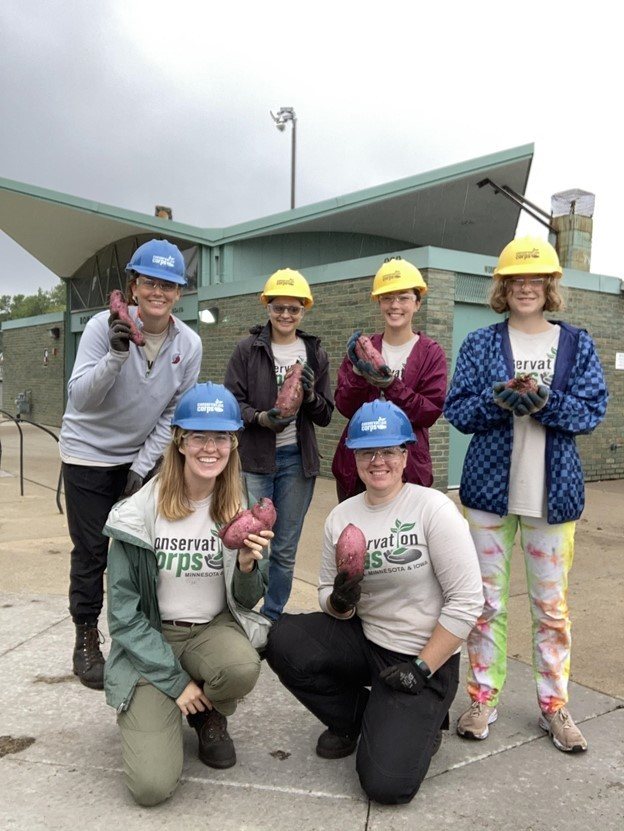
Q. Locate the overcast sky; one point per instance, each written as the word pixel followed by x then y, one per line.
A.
pixel 138 102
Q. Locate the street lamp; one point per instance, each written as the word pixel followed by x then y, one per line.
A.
pixel 284 115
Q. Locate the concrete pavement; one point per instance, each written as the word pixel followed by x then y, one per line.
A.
pixel 69 774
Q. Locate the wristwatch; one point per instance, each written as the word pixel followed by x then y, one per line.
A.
pixel 423 666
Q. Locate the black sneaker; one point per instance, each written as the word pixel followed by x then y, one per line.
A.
pixel 216 748
pixel 332 746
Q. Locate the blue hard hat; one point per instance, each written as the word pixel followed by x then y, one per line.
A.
pixel 379 424
pixel 207 407
pixel 161 259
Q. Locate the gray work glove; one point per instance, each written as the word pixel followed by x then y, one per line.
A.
pixel 532 402
pixel 504 396
pixel 134 482
pixel 118 334
pixel 346 592
pixel 307 382
pixel 272 420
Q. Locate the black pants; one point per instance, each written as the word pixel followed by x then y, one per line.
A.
pixel 90 493
pixel 328 664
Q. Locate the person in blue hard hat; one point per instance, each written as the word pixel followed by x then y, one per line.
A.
pixel 379 665
pixel 184 638
pixel 120 399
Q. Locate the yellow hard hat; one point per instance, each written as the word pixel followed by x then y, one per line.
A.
pixel 397 274
pixel 528 255
pixel 287 283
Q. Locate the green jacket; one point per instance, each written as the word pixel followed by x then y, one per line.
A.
pixel 138 648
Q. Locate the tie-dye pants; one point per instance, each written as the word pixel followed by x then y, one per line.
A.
pixel 548 553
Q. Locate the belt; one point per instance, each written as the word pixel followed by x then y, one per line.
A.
pixel 185 623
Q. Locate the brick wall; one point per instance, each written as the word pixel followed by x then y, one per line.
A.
pixel 24 369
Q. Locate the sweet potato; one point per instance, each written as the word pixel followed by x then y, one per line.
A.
pixel 290 395
pixel 351 550
pixel 365 351
pixel 261 517
pixel 118 306
pixel 522 384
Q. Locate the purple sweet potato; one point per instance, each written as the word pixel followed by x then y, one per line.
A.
pixel 365 351
pixel 261 517
pixel 291 393
pixel 522 384
pixel 351 550
pixel 118 306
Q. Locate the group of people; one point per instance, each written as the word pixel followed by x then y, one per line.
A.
pixel 157 463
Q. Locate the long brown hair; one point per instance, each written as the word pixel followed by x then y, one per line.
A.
pixel 553 300
pixel 173 502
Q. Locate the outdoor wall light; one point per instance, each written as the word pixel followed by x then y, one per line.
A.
pixel 209 316
pixel 55 333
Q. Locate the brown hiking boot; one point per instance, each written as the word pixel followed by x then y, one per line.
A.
pixel 88 661
pixel 563 731
pixel 216 748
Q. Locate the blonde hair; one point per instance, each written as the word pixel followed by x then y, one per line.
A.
pixel 173 502
pixel 553 300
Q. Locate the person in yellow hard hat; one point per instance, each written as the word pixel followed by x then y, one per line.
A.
pixel 279 456
pixel 414 377
pixel 522 471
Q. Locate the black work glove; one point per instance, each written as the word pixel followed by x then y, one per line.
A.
pixel 504 396
pixel 532 402
pixel 381 377
pixel 273 420
pixel 351 346
pixel 346 592
pixel 406 677
pixel 307 382
pixel 118 334
pixel 134 482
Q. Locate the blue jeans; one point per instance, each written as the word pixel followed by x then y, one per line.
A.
pixel 291 493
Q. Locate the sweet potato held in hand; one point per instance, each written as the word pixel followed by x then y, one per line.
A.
pixel 290 395
pixel 259 518
pixel 351 551
pixel 365 351
pixel 522 384
pixel 118 306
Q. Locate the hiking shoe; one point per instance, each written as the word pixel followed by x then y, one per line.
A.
pixel 563 731
pixel 332 746
pixel 216 748
pixel 473 724
pixel 87 660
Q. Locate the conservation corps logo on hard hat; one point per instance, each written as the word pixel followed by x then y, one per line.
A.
pixel 167 262
pixel 215 406
pixel 371 426
pixel 393 276
pixel 533 254
pixel 285 281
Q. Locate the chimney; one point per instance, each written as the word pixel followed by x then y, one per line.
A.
pixel 162 212
pixel 572 212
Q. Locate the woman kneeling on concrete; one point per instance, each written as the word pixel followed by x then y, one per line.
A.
pixel 394 623
pixel 179 602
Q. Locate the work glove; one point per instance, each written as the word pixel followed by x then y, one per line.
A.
pixel 504 396
pixel 118 334
pixel 381 377
pixel 346 592
pixel 273 420
pixel 307 382
pixel 405 677
pixel 532 402
pixel 134 482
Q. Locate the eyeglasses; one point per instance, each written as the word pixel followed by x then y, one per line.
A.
pixel 278 309
pixel 197 441
pixel 520 282
pixel 162 285
pixel 403 299
pixel 388 454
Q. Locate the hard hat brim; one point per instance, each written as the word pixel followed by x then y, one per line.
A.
pixel 513 270
pixel 211 424
pixel 379 441
pixel 146 271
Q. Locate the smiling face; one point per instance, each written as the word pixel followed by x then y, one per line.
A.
pixel 525 295
pixel 398 308
pixel 381 473
pixel 155 299
pixel 285 314
pixel 206 454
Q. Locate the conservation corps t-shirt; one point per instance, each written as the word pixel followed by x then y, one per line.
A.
pixel 421 567
pixel 396 356
pixel 191 585
pixel 285 355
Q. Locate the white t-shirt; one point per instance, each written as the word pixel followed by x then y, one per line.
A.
pixel 191 585
pixel 396 356
pixel 533 355
pixel 421 567
pixel 285 355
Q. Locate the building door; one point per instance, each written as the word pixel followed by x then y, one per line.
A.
pixel 467 318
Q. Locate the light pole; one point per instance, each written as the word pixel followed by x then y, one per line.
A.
pixel 284 115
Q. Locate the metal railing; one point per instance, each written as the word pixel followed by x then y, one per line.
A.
pixel 18 421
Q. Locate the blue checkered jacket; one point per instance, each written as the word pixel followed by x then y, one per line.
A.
pixel 576 405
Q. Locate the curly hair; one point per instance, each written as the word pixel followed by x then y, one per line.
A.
pixel 553 300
